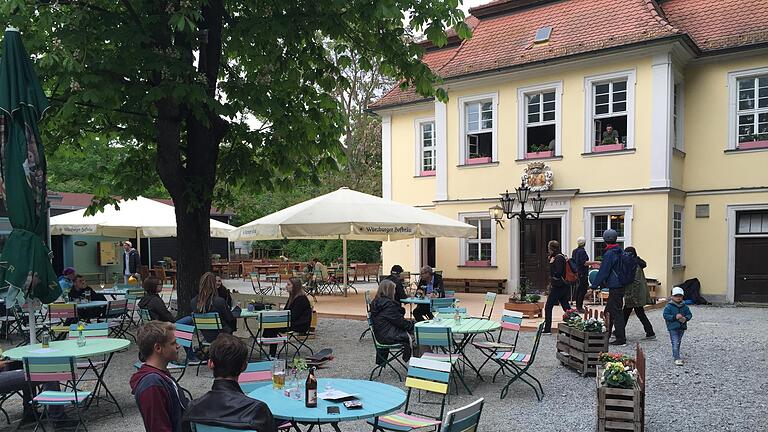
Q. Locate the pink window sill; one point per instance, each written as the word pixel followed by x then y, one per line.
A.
pixel 485 263
pixel 480 160
pixel 753 145
pixel 540 154
pixel 427 173
pixel 607 147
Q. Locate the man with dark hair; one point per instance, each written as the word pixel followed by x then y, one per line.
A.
pixel 394 276
pixel 131 261
pixel 161 402
pixel 226 405
pixel 608 277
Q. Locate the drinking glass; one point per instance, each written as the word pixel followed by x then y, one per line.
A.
pixel 278 374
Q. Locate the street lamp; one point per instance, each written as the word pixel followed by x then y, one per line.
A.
pixel 507 201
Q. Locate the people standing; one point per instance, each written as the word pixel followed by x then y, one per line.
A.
pixel 389 323
pixel 559 290
pixel 131 261
pixel 580 257
pixel 608 277
pixel 677 314
pixel 432 285
pixel 636 295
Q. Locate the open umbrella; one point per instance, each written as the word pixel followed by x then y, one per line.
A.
pixel 28 269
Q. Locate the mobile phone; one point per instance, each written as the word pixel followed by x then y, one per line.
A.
pixel 333 410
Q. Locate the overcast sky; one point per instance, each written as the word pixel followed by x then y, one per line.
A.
pixel 466 4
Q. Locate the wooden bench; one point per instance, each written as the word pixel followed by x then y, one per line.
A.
pixel 474 285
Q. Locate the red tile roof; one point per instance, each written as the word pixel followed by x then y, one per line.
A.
pixel 503 36
pixel 69 200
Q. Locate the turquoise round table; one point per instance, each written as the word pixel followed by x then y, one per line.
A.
pixel 378 399
pixel 416 300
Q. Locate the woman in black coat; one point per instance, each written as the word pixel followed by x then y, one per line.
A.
pixel 153 303
pixel 207 300
pixel 389 323
pixel 301 312
pixel 559 291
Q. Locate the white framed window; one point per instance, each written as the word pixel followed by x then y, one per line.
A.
pixel 610 104
pixel 599 219
pixel 477 129
pixel 426 148
pixel 677 115
pixel 677 236
pixel 540 113
pixel 479 251
pixel 748 114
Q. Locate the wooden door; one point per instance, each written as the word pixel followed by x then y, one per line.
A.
pixel 535 257
pixel 428 252
pixel 751 284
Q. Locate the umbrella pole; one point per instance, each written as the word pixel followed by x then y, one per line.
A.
pixel 346 271
pixel 32 329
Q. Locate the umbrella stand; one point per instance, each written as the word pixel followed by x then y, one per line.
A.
pixel 32 329
pixel 346 271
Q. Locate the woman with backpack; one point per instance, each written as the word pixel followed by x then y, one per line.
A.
pixel 636 295
pixel 559 290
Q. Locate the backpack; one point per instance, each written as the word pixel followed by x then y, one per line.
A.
pixel 625 268
pixel 571 275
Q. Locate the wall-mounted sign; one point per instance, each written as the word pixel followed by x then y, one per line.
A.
pixel 80 243
pixel 538 177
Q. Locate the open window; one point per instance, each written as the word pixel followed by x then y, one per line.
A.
pixel 610 115
pixel 478 129
pixel 540 125
pixel 427 157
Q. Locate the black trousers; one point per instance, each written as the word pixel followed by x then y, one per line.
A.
pixel 422 312
pixel 615 307
pixel 581 291
pixel 640 312
pixel 557 295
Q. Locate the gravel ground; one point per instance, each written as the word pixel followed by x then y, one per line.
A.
pixel 711 391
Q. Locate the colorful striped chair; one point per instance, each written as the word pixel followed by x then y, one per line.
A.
pixel 116 315
pixel 94 331
pixel 438 303
pixel 450 294
pixel 299 340
pixel 368 300
pixel 452 310
pixel 442 339
pixel 52 369
pixel 510 322
pixel 488 302
pixel 464 419
pixel 184 335
pixel 206 322
pixel 272 320
pixel 390 353
pixel 144 316
pixel 257 374
pixel 63 314
pixel 133 295
pixel 518 364
pixel 427 375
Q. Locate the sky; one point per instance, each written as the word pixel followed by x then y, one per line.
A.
pixel 466 4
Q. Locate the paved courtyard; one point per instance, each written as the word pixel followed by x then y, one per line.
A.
pixel 722 386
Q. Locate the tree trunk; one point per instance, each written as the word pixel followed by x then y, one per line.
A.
pixel 193 244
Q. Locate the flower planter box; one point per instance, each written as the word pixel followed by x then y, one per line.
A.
pixel 529 310
pixel 753 145
pixel 481 263
pixel 579 350
pixel 430 173
pixel 540 154
pixel 480 160
pixel 619 409
pixel 607 147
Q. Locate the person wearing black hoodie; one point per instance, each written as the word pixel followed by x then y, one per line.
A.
pixel 559 291
pixel 636 295
pixel 389 323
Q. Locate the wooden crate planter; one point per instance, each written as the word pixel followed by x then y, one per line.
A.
pixel 529 310
pixel 579 350
pixel 619 409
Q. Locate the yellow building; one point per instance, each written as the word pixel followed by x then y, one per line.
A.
pixel 684 177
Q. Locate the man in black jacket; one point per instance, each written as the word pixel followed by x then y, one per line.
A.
pixel 580 257
pixel 394 276
pixel 226 405
pixel 432 286
pixel 131 260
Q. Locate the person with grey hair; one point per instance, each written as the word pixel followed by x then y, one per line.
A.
pixel 432 285
pixel 389 323
pixel 579 257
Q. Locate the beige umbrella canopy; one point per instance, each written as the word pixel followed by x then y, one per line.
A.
pixel 350 215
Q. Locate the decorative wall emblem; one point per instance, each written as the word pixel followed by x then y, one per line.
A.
pixel 538 177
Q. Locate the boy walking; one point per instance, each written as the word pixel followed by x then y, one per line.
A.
pixel 677 314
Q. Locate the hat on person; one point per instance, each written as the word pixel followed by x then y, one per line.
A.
pixel 677 291
pixel 69 270
pixel 610 236
pixel 396 269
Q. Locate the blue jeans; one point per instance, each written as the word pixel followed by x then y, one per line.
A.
pixel 676 336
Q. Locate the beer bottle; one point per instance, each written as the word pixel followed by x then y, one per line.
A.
pixel 310 394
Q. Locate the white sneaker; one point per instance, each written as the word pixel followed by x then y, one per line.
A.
pixel 679 362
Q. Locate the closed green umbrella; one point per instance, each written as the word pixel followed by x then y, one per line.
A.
pixel 27 265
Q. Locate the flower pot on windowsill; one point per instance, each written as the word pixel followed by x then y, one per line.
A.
pixel 430 173
pixel 753 145
pixel 478 160
pixel 607 147
pixel 540 154
pixel 481 263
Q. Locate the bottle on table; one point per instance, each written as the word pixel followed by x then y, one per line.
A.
pixel 80 334
pixel 45 337
pixel 310 395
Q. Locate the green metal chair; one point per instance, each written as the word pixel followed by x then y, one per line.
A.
pixel 464 419
pixel 510 322
pixel 386 354
pixel 206 322
pixel 367 311
pixel 272 320
pixel 442 339
pixel 518 364
pixel 61 369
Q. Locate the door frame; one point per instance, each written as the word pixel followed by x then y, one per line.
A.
pixel 514 242
pixel 732 211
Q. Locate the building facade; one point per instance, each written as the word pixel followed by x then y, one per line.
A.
pixel 653 119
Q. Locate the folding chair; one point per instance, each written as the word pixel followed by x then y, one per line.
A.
pixel 452 310
pixel 449 294
pixel 209 322
pixel 488 303
pixel 298 340
pixel 144 316
pixel 272 320
pixel 438 303
pixel 168 289
pixel 48 369
pixel 464 419
pixel 132 296
pixel 430 376
pixel 115 316
pixel 518 364
pixel 199 427
pixel 4 397
pixel 65 314
pixel 367 295
pixel 510 321
pixel 386 353
pixel 91 332
pixel 184 335
pixel 441 338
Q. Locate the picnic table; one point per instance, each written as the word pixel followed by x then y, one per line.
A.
pixel 378 399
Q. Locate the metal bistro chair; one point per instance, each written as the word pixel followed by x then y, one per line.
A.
pixel 488 302
pixel 144 316
pixel 65 313
pixel 62 369
pixel 518 364
pixel 449 294
pixel 90 332
pixel 256 374
pixel 298 340
pixel 510 322
pixel 272 320
pixel 390 352
pixel 184 335
pixel 208 322
pixel 438 303
pixel 464 419
pixel 441 338
pixel 116 317
pixel 367 311
pixel 199 427
pixel 427 375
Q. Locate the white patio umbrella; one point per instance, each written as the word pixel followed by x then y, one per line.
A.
pixel 350 215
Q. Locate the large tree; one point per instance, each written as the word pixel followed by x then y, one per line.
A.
pixel 200 90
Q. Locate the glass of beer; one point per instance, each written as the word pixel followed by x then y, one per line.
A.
pixel 278 374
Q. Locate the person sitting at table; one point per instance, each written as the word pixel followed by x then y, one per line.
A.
pixel 223 292
pixel 389 323
pixel 301 312
pixel 160 400
pixel 226 405
pixel 153 302
pixel 432 285
pixel 78 292
pixel 394 276
pixel 67 279
pixel 208 301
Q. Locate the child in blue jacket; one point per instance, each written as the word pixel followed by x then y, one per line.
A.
pixel 677 314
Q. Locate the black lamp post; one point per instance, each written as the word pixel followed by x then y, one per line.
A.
pixel 507 201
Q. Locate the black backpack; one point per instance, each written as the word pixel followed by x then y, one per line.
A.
pixel 625 268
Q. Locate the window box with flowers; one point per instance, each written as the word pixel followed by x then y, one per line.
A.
pixel 607 147
pixel 539 151
pixel 756 141
pixel 477 263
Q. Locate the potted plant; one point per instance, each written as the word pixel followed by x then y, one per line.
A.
pixel 539 151
pixel 474 262
pixel 524 303
pixel 297 367
pixel 753 141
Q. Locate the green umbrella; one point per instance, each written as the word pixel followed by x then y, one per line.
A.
pixel 28 270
